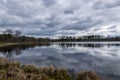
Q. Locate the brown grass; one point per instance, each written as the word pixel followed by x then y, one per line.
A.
pixel 87 75
pixel 13 70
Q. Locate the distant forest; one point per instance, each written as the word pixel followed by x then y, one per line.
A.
pixel 89 38
pixel 16 36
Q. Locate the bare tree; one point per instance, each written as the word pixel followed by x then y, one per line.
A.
pixel 8 31
pixel 17 33
pixel 4 32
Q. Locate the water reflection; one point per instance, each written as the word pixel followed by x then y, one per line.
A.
pixel 9 51
pixel 67 45
pixel 103 58
pixel 87 45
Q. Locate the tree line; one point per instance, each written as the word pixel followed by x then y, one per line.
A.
pixel 88 38
pixel 9 35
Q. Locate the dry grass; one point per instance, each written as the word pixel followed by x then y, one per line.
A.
pixel 13 70
pixel 87 75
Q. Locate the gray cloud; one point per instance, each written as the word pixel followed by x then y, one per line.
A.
pixel 106 4
pixel 48 2
pixel 60 17
pixel 68 11
pixel 83 24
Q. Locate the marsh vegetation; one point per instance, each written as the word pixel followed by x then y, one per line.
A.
pixel 13 70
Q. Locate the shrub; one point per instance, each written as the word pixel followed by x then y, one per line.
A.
pixel 12 70
pixel 87 76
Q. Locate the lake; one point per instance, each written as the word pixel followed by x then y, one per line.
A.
pixel 100 57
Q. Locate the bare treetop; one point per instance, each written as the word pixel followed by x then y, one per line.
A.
pixel 17 33
pixel 9 31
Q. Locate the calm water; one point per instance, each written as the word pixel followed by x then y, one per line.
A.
pixel 103 58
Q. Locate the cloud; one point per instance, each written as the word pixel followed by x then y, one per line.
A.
pixel 82 24
pixel 60 17
pixel 99 4
pixel 48 2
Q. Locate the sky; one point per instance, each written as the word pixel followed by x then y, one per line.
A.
pixel 53 18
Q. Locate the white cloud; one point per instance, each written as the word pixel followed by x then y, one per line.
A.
pixel 60 17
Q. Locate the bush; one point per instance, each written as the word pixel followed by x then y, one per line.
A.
pixel 87 76
pixel 12 70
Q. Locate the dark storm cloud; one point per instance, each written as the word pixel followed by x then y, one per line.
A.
pixel 60 17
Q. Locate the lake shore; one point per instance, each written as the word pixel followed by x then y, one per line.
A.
pixel 26 43
pixel 20 43
pixel 13 70
pixel 8 44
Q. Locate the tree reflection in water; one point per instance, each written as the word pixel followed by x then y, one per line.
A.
pixel 86 45
pixel 9 51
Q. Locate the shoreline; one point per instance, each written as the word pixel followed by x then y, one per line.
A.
pixel 82 42
pixel 20 43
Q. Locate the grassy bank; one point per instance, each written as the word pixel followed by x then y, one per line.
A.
pixel 21 43
pixel 8 44
pixel 13 70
